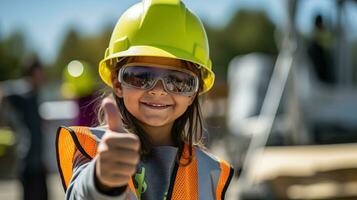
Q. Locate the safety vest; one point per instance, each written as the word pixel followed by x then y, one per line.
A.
pixel 205 178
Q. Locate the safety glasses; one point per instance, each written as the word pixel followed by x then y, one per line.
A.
pixel 145 76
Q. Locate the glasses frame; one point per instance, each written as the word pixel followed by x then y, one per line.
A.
pixel 165 67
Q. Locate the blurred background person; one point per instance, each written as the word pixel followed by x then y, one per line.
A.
pixel 21 96
pixel 319 52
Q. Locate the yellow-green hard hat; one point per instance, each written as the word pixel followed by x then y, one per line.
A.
pixel 162 28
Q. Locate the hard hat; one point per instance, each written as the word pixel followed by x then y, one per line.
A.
pixel 161 28
pixel 78 80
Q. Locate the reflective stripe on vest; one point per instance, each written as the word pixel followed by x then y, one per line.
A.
pixel 192 181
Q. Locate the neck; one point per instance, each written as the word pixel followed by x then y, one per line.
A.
pixel 160 136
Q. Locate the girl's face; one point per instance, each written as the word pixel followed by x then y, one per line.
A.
pixel 154 107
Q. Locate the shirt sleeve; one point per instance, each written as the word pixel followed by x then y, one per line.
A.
pixel 82 184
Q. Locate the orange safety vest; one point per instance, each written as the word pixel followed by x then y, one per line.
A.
pixel 191 182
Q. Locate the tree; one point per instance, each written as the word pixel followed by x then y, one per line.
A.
pixel 78 47
pixel 12 51
pixel 247 31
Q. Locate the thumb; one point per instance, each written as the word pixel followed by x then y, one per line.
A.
pixel 112 115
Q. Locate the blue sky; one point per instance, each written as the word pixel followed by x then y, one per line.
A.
pixel 45 22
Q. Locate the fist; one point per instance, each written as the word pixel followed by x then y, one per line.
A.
pixel 118 152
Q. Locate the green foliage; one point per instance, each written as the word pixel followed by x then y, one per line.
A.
pixel 12 51
pixel 77 47
pixel 248 31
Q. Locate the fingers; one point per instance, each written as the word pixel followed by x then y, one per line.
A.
pixel 112 115
pixel 120 156
pixel 123 141
pixel 120 147
pixel 123 169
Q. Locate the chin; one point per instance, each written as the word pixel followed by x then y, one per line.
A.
pixel 155 124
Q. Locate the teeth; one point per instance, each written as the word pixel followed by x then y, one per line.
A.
pixel 157 105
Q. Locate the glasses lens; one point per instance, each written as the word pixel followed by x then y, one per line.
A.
pixel 175 81
pixel 138 77
pixel 180 82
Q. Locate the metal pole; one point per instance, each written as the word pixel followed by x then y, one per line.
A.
pixel 272 99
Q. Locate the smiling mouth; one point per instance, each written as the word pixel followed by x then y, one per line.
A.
pixel 156 105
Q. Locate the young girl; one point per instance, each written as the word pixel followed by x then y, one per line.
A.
pixel 157 65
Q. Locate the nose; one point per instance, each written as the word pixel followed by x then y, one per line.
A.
pixel 158 89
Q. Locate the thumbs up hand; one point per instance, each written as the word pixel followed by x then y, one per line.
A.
pixel 118 152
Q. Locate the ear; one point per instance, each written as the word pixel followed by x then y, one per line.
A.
pixel 117 89
pixel 192 98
